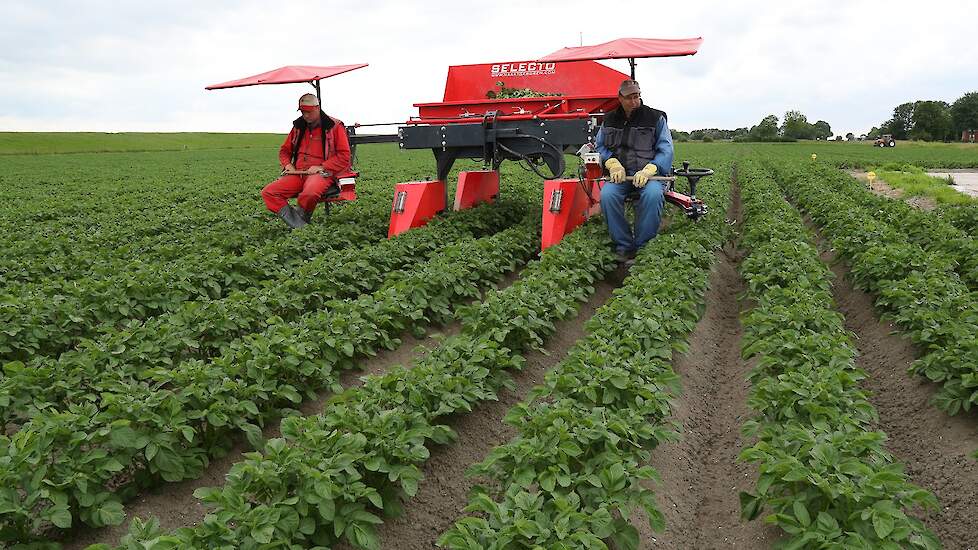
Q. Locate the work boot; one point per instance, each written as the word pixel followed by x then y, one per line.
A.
pixel 304 214
pixel 291 217
pixel 623 256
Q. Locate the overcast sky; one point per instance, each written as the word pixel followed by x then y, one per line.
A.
pixel 142 66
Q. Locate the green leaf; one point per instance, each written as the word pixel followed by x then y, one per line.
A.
pixel 882 523
pixel 111 513
pixel 750 506
pixel 801 513
pixel 124 437
pixel 363 536
pixel 327 509
pixel 626 537
pixel 60 517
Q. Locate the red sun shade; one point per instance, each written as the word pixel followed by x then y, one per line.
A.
pixel 289 74
pixel 628 48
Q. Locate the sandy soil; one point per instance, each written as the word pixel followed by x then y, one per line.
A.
pixel 934 447
pixel 701 477
pixel 880 187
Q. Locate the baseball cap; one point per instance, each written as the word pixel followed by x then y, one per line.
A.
pixel 629 87
pixel 308 102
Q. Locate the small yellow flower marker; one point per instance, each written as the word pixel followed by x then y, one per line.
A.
pixel 814 156
pixel 871 176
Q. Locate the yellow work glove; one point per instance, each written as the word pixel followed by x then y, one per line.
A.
pixel 616 170
pixel 643 175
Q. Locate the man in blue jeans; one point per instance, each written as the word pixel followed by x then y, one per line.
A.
pixel 634 140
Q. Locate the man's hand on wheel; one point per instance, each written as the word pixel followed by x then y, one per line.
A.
pixel 643 175
pixel 615 169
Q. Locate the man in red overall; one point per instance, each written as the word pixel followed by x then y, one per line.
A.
pixel 315 150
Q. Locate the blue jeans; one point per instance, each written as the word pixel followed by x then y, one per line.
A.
pixel 648 211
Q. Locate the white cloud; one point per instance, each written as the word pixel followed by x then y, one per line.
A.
pixel 110 66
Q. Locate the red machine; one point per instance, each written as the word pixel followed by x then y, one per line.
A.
pixel 472 122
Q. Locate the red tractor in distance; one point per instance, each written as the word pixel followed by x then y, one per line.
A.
pixel 886 140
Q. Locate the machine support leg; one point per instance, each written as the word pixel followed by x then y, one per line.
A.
pixel 476 187
pixel 565 206
pixel 414 204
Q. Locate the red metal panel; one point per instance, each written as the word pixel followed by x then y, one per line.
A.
pixel 582 78
pixel 525 108
pixel 415 203
pixel 565 207
pixel 680 200
pixel 289 74
pixel 475 187
pixel 628 48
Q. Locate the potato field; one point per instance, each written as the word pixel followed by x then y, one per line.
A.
pixel 798 369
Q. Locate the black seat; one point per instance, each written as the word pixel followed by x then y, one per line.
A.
pixel 332 192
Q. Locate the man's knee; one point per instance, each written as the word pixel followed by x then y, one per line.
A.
pixel 309 197
pixel 653 193
pixel 612 193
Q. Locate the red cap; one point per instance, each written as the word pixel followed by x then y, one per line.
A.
pixel 308 102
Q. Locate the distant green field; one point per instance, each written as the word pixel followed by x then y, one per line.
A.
pixel 841 154
pixel 39 143
pixel 851 154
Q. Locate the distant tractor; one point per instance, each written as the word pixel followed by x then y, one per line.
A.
pixel 886 140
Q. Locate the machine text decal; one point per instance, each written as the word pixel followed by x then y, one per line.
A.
pixel 531 68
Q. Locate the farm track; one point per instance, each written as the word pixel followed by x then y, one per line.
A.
pixel 443 492
pixel 700 474
pixel 175 505
pixel 934 447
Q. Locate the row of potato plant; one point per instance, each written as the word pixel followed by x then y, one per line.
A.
pixel 333 477
pixel 964 218
pixel 925 229
pixel 574 475
pixel 62 251
pixel 918 289
pixel 144 206
pixel 79 462
pixel 823 470
pixel 203 329
pixel 52 316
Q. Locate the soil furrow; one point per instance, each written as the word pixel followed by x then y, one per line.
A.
pixel 444 490
pixel 934 447
pixel 701 477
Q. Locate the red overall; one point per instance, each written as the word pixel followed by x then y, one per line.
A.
pixel 309 188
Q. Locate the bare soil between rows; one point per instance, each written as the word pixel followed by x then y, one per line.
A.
pixel 701 477
pixel 934 448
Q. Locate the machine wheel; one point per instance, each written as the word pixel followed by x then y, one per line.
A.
pixel 892 144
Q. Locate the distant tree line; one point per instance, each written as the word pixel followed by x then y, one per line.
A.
pixel 794 127
pixel 931 120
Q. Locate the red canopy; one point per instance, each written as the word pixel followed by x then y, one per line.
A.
pixel 628 48
pixel 289 74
